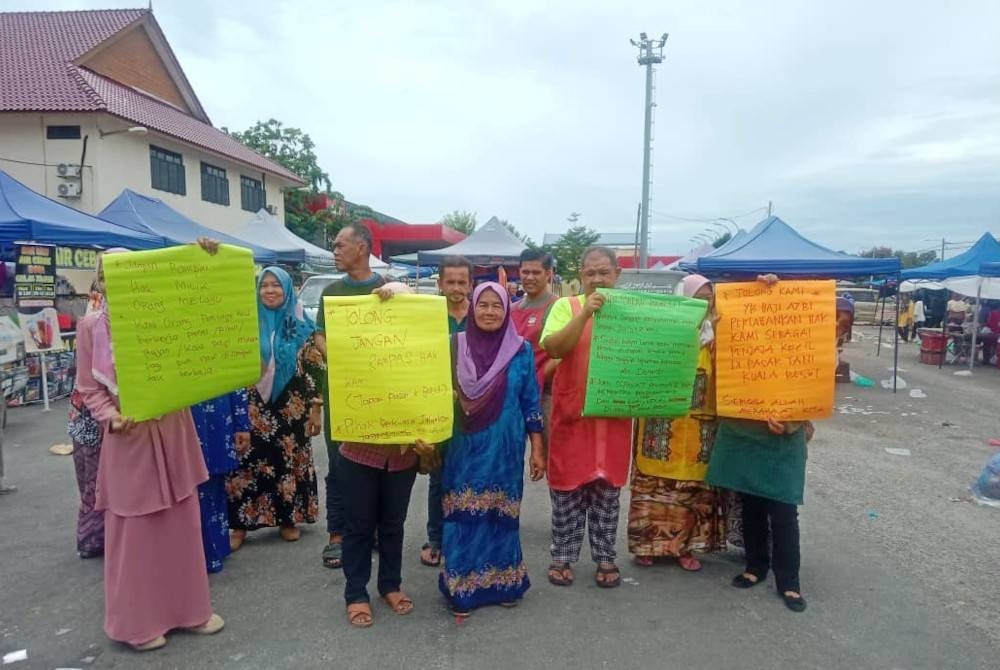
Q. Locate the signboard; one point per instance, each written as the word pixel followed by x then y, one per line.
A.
pixel 76 269
pixel 390 369
pixel 35 276
pixel 776 350
pixel 653 281
pixel 183 326
pixel 41 331
pixel 643 355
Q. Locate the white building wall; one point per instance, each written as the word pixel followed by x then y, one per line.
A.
pixel 118 162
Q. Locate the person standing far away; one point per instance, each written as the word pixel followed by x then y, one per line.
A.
pixel 588 457
pixel 352 255
pixel 528 316
pixel 919 314
pixel 455 283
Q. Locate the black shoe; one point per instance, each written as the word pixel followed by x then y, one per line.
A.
pixel 89 554
pixel 740 581
pixel 794 603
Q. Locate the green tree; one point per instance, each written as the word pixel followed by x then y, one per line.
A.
pixel 722 239
pixel 462 221
pixel 569 248
pixel 518 234
pixel 289 147
pixel 908 259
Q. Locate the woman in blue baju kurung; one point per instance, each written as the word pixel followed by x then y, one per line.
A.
pixel 483 477
pixel 222 423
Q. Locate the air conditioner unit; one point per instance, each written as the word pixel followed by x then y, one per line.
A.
pixel 68 170
pixel 271 209
pixel 70 189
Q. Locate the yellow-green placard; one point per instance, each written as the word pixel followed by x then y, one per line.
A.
pixel 643 355
pixel 390 369
pixel 183 326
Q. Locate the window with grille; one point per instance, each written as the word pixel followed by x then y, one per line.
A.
pixel 214 185
pixel 252 194
pixel 167 170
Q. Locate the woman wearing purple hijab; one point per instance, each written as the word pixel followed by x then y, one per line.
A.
pixel 483 479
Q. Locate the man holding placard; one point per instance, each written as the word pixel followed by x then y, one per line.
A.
pixel 352 254
pixel 588 457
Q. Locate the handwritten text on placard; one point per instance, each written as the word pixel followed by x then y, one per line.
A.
pixel 183 324
pixel 390 369
pixel 776 350
pixel 643 355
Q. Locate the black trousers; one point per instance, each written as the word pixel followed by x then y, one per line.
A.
pixel 771 522
pixel 373 499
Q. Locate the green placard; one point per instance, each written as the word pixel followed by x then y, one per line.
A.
pixel 183 326
pixel 643 355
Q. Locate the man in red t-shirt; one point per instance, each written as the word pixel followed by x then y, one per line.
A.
pixel 529 317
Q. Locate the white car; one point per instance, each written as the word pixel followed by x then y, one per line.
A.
pixel 312 290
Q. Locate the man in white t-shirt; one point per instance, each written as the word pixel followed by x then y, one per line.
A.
pixel 958 310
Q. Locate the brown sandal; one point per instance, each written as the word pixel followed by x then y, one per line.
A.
pixel 561 575
pixel 360 615
pixel 399 602
pixel 608 578
pixel 290 533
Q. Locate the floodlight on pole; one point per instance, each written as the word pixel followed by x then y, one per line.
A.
pixel 650 54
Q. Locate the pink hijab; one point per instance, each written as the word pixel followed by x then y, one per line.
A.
pixel 103 363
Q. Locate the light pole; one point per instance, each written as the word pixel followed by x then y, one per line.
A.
pixel 650 54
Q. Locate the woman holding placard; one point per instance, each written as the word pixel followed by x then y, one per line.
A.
pixel 275 483
pixel 483 479
pixel 154 571
pixel 673 512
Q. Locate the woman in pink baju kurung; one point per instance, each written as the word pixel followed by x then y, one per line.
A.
pixel 154 568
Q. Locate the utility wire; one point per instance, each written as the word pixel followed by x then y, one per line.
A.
pixel 711 220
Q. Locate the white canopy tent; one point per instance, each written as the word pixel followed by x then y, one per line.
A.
pixel 265 230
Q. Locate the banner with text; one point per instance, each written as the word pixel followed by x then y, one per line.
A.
pixel 183 324
pixel 35 276
pixel 390 369
pixel 776 350
pixel 643 355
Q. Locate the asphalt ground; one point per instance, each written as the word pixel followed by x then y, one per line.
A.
pixel 900 568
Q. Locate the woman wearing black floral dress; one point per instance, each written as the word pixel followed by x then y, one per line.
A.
pixel 275 483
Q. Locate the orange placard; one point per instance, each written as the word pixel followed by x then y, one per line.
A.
pixel 776 350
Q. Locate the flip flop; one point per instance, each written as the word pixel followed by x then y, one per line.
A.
pixel 400 603
pixel 433 555
pixel 359 615
pixel 333 556
pixel 558 576
pixel 689 563
pixel 605 572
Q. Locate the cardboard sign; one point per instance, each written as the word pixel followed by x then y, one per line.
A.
pixel 643 355
pixel 389 370
pixel 183 326
pixel 776 350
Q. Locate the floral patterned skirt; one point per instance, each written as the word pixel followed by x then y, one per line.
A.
pixel 668 517
pixel 275 483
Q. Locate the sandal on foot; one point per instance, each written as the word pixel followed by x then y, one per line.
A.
pixel 644 561
pixel 509 603
pixel 290 533
pixel 210 627
pixel 460 613
pixel 333 556
pixel 359 615
pixel 560 575
pixel 155 643
pixel 689 563
pixel 601 577
pixel 236 539
pixel 741 581
pixel 430 555
pixel 796 603
pixel 400 603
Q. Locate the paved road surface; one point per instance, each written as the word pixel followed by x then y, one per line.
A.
pixel 897 576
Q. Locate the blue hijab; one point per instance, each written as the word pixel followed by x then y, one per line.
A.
pixel 283 331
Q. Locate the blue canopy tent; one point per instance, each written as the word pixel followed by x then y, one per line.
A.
pixel 774 246
pixel 27 216
pixel 966 264
pixel 989 270
pixel 151 215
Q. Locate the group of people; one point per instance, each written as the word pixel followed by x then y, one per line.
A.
pixel 163 518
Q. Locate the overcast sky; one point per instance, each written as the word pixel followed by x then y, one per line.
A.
pixel 865 122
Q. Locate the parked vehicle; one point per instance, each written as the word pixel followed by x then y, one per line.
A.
pixel 312 290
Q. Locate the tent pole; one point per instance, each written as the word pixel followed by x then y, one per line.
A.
pixel 881 320
pixel 944 336
pixel 975 323
pixel 895 351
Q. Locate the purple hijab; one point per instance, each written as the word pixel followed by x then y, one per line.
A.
pixel 482 360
